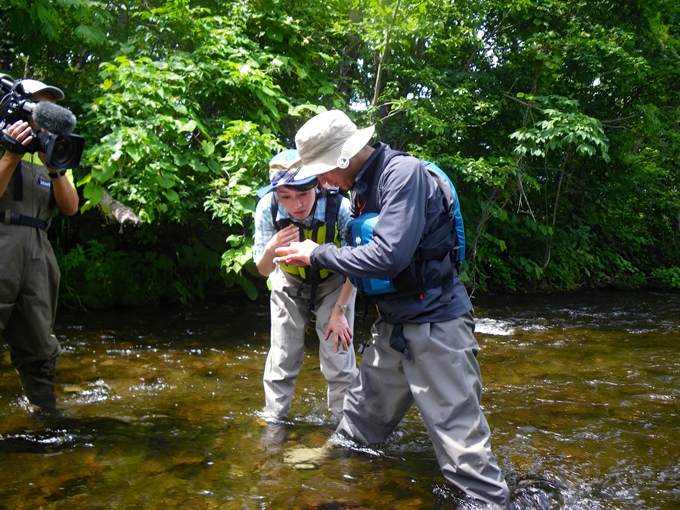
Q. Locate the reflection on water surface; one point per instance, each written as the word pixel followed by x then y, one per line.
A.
pixel 159 410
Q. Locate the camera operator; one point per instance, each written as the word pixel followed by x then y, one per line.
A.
pixel 30 194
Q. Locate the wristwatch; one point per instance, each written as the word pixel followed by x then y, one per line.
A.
pixel 343 308
pixel 57 174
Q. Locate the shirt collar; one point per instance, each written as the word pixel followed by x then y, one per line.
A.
pixel 360 184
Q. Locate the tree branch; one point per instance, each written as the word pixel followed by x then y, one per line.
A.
pixel 120 212
pixel 383 56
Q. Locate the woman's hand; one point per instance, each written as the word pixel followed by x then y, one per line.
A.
pixel 339 328
pixel 284 237
pixel 281 240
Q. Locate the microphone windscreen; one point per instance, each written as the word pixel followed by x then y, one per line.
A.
pixel 54 118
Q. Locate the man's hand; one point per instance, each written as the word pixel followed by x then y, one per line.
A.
pixel 17 134
pixel 20 134
pixel 297 254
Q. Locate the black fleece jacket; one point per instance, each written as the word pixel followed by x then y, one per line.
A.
pixel 409 203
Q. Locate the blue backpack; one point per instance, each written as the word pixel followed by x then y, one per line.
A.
pixel 460 227
pixel 360 232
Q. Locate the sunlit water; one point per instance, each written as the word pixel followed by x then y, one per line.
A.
pixel 160 410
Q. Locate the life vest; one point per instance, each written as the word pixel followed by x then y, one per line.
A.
pixel 445 242
pixel 326 230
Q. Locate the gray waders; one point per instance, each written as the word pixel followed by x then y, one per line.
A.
pixel 290 315
pixel 443 379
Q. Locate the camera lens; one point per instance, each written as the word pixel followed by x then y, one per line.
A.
pixel 62 151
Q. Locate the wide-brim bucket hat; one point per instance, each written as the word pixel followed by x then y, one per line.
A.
pixel 283 170
pixel 327 141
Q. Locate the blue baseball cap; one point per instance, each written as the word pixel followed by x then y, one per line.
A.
pixel 282 171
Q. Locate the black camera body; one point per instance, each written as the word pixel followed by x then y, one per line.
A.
pixel 62 148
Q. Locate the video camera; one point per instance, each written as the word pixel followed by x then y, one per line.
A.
pixel 62 149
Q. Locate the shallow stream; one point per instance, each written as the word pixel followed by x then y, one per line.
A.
pixel 159 411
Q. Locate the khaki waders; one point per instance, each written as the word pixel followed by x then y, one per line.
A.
pixel 29 284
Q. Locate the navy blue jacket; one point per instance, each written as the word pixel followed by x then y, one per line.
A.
pixel 410 204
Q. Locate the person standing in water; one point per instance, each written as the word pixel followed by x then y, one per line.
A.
pixel 422 349
pixel 30 195
pixel 290 210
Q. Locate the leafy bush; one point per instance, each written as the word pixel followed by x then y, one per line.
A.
pixel 670 276
pixel 95 275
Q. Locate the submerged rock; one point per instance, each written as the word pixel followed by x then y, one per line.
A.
pixel 306 458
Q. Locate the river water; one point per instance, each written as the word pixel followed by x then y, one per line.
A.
pixel 159 410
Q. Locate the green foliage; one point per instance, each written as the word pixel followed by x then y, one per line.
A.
pixel 96 275
pixel 232 198
pixel 169 144
pixel 520 102
pixel 52 19
pixel 560 129
pixel 557 121
pixel 668 276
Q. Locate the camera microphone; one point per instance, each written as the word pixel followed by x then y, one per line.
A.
pixel 53 118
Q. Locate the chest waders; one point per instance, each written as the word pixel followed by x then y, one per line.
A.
pixel 14 218
pixel 29 282
pixel 312 276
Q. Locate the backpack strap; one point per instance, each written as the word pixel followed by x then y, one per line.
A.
pixel 333 200
pixel 10 218
pixel 279 224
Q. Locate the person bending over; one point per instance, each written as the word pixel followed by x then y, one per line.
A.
pixel 288 211
pixel 422 350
